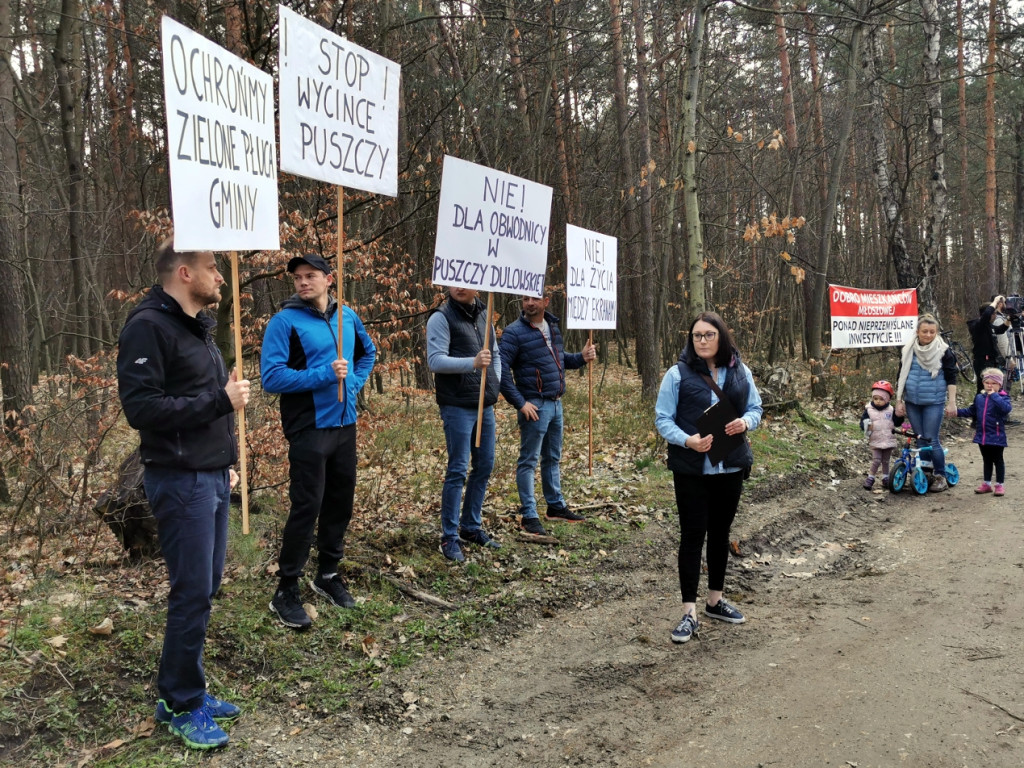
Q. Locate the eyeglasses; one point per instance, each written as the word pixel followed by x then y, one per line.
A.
pixel 709 336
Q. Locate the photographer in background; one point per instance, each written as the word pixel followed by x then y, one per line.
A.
pixel 988 334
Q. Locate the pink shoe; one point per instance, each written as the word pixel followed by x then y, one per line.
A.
pixel 983 488
pixel 998 489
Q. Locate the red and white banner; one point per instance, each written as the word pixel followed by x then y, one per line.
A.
pixel 863 318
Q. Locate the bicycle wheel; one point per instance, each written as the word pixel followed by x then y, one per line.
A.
pixel 920 481
pixel 952 474
pixel 898 478
pixel 963 361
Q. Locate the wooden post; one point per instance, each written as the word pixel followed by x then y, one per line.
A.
pixel 239 374
pixel 483 371
pixel 590 409
pixel 340 271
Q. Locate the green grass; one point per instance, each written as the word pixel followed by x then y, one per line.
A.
pixel 97 688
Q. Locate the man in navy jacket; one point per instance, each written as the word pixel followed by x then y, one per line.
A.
pixel 300 362
pixel 531 348
pixel 176 391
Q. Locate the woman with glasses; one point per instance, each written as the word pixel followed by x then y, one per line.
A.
pixel 707 494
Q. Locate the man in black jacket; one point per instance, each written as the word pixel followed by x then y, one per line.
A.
pixel 176 391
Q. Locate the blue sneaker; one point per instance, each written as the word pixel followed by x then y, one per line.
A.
pixel 724 612
pixel 219 710
pixel 451 549
pixel 686 629
pixel 198 730
pixel 478 537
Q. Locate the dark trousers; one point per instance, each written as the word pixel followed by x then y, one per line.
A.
pixel 706 505
pixel 992 456
pixel 191 511
pixel 323 486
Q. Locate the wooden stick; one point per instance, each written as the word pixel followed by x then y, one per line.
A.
pixel 590 410
pixel 341 304
pixel 483 371
pixel 239 374
pixel 405 589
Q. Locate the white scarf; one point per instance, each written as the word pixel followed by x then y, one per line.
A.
pixel 929 357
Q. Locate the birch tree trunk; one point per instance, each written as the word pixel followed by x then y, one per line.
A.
pixel 691 203
pixel 936 205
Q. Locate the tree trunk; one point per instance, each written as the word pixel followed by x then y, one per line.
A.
pixel 816 307
pixel 15 374
pixel 1017 243
pixel 694 230
pixel 936 207
pixel 630 264
pixel 969 250
pixel 889 194
pixel 647 359
pixel 991 274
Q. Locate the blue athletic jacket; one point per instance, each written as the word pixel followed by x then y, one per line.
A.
pixel 299 345
pixel 537 371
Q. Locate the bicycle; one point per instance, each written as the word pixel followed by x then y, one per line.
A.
pixel 912 464
pixel 963 360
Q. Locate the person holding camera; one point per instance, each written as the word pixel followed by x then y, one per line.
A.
pixel 988 334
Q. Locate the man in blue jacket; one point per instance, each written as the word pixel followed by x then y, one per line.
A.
pixel 531 348
pixel 176 391
pixel 300 362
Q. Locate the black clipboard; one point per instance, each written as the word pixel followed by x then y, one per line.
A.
pixel 712 422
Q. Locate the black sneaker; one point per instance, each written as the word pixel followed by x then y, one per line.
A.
pixel 686 629
pixel 564 515
pixel 532 525
pixel 724 612
pixel 288 606
pixel 479 537
pixel 333 588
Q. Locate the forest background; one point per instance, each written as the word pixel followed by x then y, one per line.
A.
pixel 744 155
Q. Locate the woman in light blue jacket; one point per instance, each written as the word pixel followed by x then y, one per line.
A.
pixel 926 390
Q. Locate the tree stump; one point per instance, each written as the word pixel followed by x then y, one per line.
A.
pixel 125 509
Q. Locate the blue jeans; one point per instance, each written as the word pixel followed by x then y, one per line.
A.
pixel 460 440
pixel 191 511
pixel 927 420
pixel 540 439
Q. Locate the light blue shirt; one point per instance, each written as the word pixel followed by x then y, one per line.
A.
pixel 668 398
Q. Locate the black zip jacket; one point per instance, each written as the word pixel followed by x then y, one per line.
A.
pixel 171 379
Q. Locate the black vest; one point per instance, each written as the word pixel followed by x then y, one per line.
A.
pixel 694 399
pixel 466 326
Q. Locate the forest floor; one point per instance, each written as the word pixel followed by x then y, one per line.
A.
pixel 882 629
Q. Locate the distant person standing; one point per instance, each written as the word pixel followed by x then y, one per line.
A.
pixel 176 391
pixel 300 362
pixel 532 351
pixel 988 337
pixel 456 355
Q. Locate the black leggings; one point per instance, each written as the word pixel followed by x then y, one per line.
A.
pixel 706 505
pixel 992 455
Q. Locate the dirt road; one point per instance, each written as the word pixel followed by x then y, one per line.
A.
pixel 883 630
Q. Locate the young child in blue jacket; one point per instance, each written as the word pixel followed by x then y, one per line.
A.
pixel 990 408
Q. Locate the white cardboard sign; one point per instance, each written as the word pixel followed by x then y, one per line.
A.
pixel 339 108
pixel 221 145
pixel 492 230
pixel 590 285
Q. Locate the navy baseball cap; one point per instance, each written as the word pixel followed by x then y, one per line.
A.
pixel 312 260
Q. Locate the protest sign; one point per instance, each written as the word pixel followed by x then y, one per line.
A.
pixel 221 145
pixel 492 230
pixel 339 108
pixel 590 285
pixel 863 318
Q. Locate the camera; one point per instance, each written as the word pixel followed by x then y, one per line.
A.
pixel 1013 308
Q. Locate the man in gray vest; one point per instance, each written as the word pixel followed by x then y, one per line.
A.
pixel 456 355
